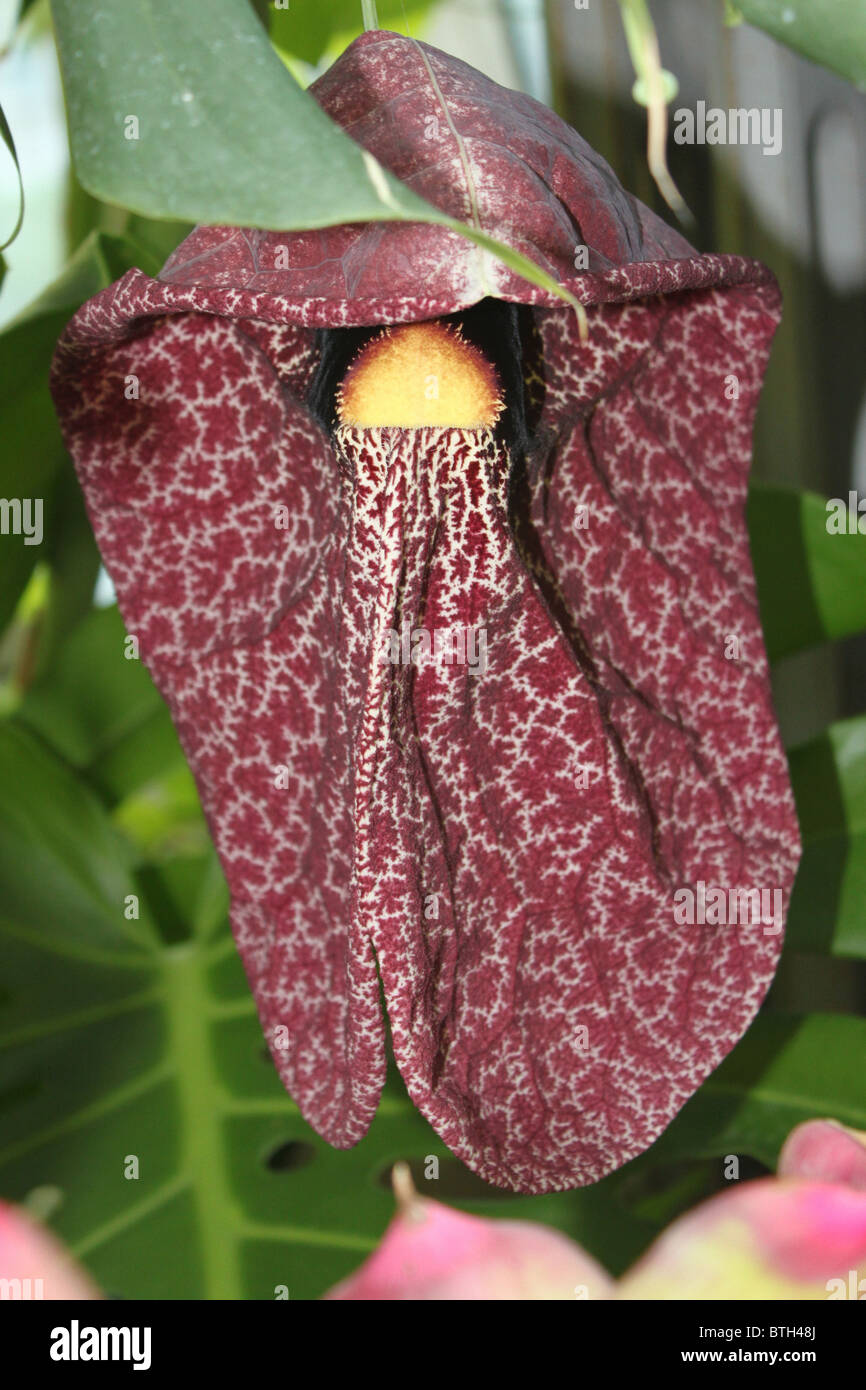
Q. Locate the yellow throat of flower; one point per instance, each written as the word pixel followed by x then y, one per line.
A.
pixel 419 374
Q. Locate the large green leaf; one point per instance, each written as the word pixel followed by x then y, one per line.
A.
pixel 116 1046
pixel 124 1040
pixel 141 1039
pixel 832 32
pixel 32 447
pixel 223 135
pixel 784 1071
pixel 829 779
pixel 811 583
pixel 171 126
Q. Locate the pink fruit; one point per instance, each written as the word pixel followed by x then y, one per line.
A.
pixel 826 1151
pixel 33 1263
pixel 432 1252
pixel 773 1238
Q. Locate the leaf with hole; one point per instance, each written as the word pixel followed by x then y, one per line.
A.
pixel 134 1079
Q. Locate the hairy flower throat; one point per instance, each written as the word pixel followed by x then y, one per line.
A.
pixel 420 374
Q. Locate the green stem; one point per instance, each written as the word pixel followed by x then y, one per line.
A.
pixel 644 49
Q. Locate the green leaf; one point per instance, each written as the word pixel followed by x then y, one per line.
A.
pixel 831 32
pixel 224 134
pixel 63 868
pixel 101 712
pixel 157 238
pixel 784 1071
pixel 86 272
pixel 220 132
pixel 829 780
pixel 74 560
pixel 6 137
pixel 120 1042
pixel 115 1046
pixel 91 699
pixel 262 11
pixel 164 817
pixel 308 31
pixel 811 583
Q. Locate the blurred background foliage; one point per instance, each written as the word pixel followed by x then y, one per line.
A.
pixel 135 1037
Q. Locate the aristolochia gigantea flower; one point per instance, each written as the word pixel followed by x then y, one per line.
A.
pixel 455 617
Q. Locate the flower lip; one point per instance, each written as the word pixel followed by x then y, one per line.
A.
pixel 430 457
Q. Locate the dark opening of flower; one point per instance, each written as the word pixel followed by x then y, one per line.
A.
pixel 455 617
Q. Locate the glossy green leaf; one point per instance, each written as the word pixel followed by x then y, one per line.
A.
pixel 831 32
pixel 169 126
pixel 784 1071
pixel 828 909
pixel 811 583
pixel 219 132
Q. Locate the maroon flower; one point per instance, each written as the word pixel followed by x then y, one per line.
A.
pixel 507 843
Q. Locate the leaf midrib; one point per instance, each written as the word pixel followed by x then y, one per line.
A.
pixel 202 1142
